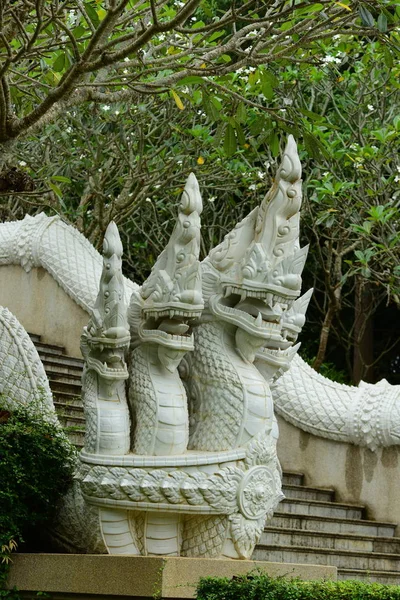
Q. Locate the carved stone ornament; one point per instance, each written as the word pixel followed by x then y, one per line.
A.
pixel 185 463
pixel 256 493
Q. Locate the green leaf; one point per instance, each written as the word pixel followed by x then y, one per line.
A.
pixel 61 178
pixel 311 115
pixel 210 109
pixel 273 142
pixel 366 17
pixel 389 62
pixel 59 63
pixel 241 113
pixel 55 189
pixel 382 23
pixel 230 140
pixel 240 134
pixel 190 80
pixel 215 35
pixel 268 83
pixel 92 14
pixel 312 8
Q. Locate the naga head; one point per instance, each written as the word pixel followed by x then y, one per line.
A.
pixel 254 276
pixel 106 338
pixel 171 298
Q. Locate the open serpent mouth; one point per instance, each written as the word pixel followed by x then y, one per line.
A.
pixel 169 326
pixel 258 312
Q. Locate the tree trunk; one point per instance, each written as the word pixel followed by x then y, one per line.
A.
pixel 323 338
pixel 363 355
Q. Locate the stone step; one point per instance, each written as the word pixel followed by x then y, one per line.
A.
pixel 76 435
pixel 50 349
pixel 343 559
pixel 72 387
pixel 57 369
pixel 331 525
pixel 68 410
pixel 62 359
pixel 71 421
pixel 292 478
pixel 319 508
pixel 68 399
pixel 34 337
pixel 303 492
pixel 334 541
pixel 70 378
pixel 388 577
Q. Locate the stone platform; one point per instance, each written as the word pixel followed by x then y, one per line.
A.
pixel 84 576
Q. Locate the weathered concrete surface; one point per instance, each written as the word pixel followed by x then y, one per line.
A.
pixel 357 474
pixel 42 306
pixel 77 576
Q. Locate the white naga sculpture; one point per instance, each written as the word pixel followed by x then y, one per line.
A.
pixel 186 463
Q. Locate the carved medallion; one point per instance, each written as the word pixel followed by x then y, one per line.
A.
pixel 257 492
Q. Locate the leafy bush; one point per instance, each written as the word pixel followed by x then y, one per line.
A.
pixel 36 467
pixel 262 587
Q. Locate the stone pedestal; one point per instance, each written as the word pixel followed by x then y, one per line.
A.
pixel 88 576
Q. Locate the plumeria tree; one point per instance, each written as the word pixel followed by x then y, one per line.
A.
pixel 58 54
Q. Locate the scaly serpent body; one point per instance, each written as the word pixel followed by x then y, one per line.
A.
pixel 231 400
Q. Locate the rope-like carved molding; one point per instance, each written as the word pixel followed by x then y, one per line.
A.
pixel 253 493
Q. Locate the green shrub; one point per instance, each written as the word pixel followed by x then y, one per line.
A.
pixel 262 587
pixel 36 468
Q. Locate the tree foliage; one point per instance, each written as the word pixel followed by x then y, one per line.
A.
pixel 55 54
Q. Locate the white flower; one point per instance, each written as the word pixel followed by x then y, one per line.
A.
pixel 370 107
pixel 397 178
pixel 212 198
pixel 398 168
pixel 117 112
pixel 126 59
pixel 260 174
pixel 325 174
pixel 106 107
pixel 330 59
pixel 69 129
pixel 125 71
pixel 148 200
pixel 161 37
pixel 22 163
pixel 287 101
pixel 81 156
pixel 252 186
pixel 100 170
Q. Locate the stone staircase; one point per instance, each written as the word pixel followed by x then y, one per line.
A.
pixel 309 526
pixel 64 374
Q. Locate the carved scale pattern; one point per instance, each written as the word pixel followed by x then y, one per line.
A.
pixel 142 399
pixel 23 378
pixel 231 400
pixel 204 536
pixel 368 415
pixel 312 402
pixel 59 248
pixel 215 380
pixel 78 525
pixel 89 397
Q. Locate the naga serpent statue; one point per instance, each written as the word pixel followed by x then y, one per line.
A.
pixel 185 462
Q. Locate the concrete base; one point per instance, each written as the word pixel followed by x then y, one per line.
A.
pixel 78 576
